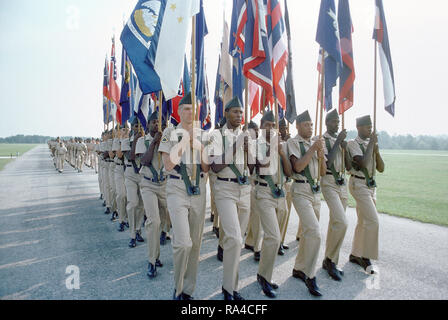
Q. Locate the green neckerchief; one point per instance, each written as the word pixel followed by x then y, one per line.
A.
pixel 370 181
pixel 337 175
pixel 242 180
pixel 155 175
pixel 315 188
pixel 182 170
pixel 276 190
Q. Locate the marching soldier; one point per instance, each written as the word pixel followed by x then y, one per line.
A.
pixel 254 230
pixel 366 160
pixel 269 197
pixel 334 190
pixel 111 164
pixel 106 180
pixel 232 192
pixel 304 156
pixel 98 152
pixel 120 188
pixel 284 218
pixel 153 191
pixel 186 198
pixel 60 152
pixel 132 180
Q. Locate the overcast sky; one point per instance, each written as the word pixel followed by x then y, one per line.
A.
pixel 52 58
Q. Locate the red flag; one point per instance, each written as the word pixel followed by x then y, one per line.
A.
pixel 114 90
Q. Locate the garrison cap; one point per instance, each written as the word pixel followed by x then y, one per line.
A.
pixel 253 125
pixel 186 99
pixel 303 117
pixel 332 115
pixel 282 123
pixel 363 121
pixel 135 121
pixel 153 116
pixel 234 103
pixel 268 116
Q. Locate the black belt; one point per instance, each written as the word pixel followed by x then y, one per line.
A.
pixel 155 181
pixel 180 178
pixel 362 178
pixel 300 181
pixel 119 164
pixel 228 179
pixel 261 184
pixel 329 172
pixel 128 165
pixel 109 160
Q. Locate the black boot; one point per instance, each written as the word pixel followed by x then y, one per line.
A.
pixel 152 270
pixel 220 254
pixel 334 272
pixel 267 288
pixel 312 287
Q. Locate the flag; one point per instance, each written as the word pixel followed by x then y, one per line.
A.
pixel 133 85
pixel 257 55
pixel 143 106
pixel 114 90
pixel 278 47
pixel 239 19
pixel 254 98
pixel 291 111
pixel 137 36
pixel 225 69
pixel 184 88
pixel 126 90
pixel 327 36
pixel 205 117
pixel 347 77
pixel 381 36
pixel 167 52
pixel 218 98
pixel 106 104
pixel 201 32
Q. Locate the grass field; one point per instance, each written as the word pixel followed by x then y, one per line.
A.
pixel 7 149
pixel 414 185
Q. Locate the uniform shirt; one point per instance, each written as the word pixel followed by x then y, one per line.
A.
pixel 141 149
pixel 169 140
pixel 355 150
pixel 262 147
pixel 216 148
pixel 116 144
pixel 338 158
pixel 61 150
pixel 109 145
pixel 294 150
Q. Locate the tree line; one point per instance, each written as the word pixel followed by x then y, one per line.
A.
pixel 386 141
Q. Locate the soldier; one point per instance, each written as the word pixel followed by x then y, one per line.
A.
pixel 366 160
pixel 61 151
pixel 304 156
pixel 82 152
pixel 334 190
pixel 254 231
pixel 132 180
pixel 106 181
pixel 98 152
pixel 284 218
pixel 153 191
pixel 232 192
pixel 269 197
pixel 120 188
pixel 186 197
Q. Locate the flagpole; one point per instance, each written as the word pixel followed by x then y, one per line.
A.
pixel 160 120
pixel 374 100
pixel 319 80
pixel 343 150
pixel 321 105
pixel 246 118
pixel 193 89
pixel 277 127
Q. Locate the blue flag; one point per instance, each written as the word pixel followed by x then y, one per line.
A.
pixel 328 37
pixel 137 36
pixel 201 32
pixel 218 98
pixel 125 97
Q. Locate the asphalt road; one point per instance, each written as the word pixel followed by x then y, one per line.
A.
pixel 49 221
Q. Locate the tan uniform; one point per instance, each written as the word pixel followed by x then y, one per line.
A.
pixel 101 164
pixel 106 175
pixel 233 204
pixel 61 151
pixel 284 219
pixel 132 180
pixel 120 188
pixel 154 198
pixel 187 215
pixel 269 208
pixel 307 205
pixel 254 230
pixel 365 240
pixel 336 197
pixel 111 171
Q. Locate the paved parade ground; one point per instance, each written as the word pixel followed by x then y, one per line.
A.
pixel 51 221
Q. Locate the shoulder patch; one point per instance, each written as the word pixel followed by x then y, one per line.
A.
pixel 164 139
